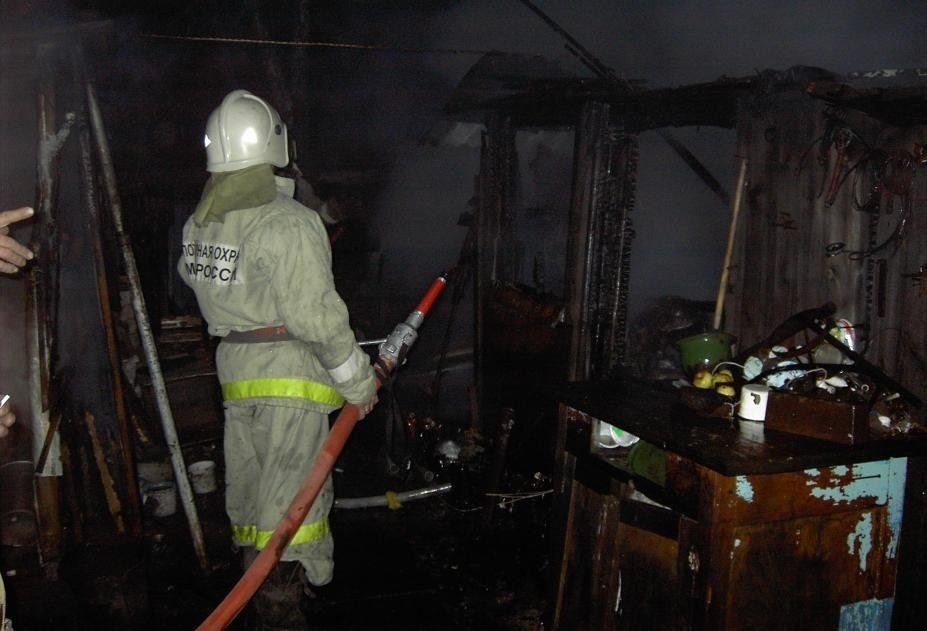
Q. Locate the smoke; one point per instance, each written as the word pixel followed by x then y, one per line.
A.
pixel 675 42
pixel 681 227
pixel 356 109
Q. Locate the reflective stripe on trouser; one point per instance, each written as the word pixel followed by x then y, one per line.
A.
pixel 251 536
pixel 284 387
pixel 269 450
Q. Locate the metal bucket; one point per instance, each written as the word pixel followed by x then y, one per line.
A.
pixel 18 524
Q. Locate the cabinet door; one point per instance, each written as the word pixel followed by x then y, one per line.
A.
pixel 647 581
pixel 800 573
pixel 650 590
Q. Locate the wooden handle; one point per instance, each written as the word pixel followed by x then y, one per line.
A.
pixel 732 230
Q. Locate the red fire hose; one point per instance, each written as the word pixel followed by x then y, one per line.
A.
pixel 392 353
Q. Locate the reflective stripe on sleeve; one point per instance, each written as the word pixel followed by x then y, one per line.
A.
pixel 349 367
pixel 307 533
pixel 281 387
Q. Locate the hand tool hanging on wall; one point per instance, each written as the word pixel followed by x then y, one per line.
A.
pixel 145 333
pixel 392 354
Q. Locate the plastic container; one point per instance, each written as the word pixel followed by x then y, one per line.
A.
pixel 164 494
pixel 203 476
pixel 610 437
pixel 704 351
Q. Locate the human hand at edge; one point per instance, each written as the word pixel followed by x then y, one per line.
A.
pixel 365 408
pixel 13 254
pixel 7 418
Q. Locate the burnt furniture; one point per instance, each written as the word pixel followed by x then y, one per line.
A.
pixel 705 523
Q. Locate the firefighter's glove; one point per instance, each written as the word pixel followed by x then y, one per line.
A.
pixel 365 408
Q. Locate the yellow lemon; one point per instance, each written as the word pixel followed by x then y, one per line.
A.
pixel 702 379
pixel 725 390
pixel 722 376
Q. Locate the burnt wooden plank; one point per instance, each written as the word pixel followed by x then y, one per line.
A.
pixel 835 421
pixel 658 520
pixel 562 516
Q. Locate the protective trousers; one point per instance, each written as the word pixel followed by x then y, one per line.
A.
pixel 269 450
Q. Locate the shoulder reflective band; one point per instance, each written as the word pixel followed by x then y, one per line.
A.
pixel 307 533
pixel 281 387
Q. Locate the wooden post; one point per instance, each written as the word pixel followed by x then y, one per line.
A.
pixel 598 243
pixel 732 231
pixel 493 260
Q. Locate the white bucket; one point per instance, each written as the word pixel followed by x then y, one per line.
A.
pixel 203 476
pixel 165 496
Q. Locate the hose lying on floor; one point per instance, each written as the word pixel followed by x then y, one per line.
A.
pixel 392 353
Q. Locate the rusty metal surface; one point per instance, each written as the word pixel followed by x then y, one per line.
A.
pixel 761 551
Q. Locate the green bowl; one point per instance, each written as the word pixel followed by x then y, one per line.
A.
pixel 704 351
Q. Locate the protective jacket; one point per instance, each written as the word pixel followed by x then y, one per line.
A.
pixel 268 266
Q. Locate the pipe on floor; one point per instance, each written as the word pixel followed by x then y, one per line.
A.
pixel 387 499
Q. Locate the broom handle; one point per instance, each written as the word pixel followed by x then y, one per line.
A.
pixel 735 212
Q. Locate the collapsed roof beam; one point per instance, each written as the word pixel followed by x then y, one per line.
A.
pixel 695 164
pixel 604 72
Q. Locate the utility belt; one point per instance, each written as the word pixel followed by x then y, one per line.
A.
pixel 257 336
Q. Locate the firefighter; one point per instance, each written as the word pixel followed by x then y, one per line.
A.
pixel 259 263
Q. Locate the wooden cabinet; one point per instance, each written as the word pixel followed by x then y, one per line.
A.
pixel 700 525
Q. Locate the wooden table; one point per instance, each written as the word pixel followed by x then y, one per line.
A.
pixel 706 524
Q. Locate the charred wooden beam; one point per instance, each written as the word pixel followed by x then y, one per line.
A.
pixel 599 241
pixel 558 101
pixel 41 321
pixel 123 446
pixel 903 106
pixel 494 224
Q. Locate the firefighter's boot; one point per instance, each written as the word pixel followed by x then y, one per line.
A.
pixel 277 604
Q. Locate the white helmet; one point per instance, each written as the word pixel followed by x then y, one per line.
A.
pixel 243 131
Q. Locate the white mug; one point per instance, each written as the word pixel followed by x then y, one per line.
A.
pixel 753 400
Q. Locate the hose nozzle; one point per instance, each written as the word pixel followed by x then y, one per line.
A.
pixel 398 343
